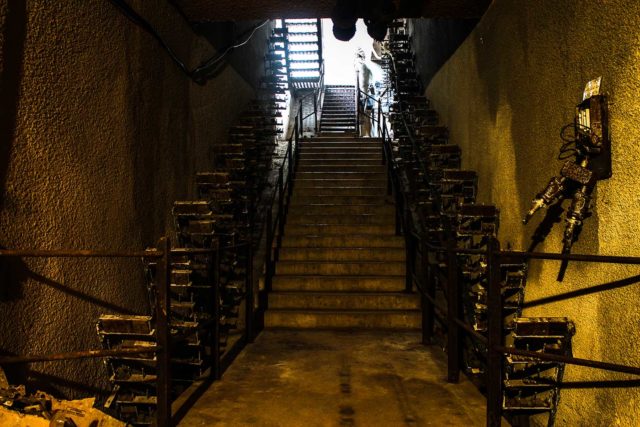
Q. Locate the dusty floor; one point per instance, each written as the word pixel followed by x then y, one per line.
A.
pixel 323 378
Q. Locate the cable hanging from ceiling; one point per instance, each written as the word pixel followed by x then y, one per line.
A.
pixel 207 69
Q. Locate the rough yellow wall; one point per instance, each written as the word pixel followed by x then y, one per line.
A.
pixel 100 133
pixel 505 94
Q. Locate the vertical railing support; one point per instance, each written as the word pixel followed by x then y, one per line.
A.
pixel 399 214
pixel 249 296
pixel 384 148
pixel 163 334
pixel 453 312
pixel 410 261
pixel 269 250
pixel 296 156
pixel 494 336
pixel 289 170
pixel 315 111
pixel 300 120
pixel 357 105
pixel 216 372
pixel 428 310
pixel 280 212
pixel 379 114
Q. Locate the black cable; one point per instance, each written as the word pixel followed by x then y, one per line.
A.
pixel 201 73
pixel 214 60
pixel 145 25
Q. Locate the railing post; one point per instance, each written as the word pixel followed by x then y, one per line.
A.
pixel 453 312
pixel 384 142
pixel 249 298
pixel 269 250
pixel 163 334
pixel 290 170
pixel 494 335
pixel 428 309
pixel 315 112
pixel 297 150
pixel 379 112
pixel 410 252
pixel 357 105
pixel 216 373
pixel 300 120
pixel 280 211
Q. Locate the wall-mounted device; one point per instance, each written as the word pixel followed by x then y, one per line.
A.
pixel 588 159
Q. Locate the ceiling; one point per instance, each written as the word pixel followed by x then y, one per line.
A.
pixel 245 10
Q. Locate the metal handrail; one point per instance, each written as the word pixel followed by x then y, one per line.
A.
pixel 282 194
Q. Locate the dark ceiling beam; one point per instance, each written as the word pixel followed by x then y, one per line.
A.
pixel 248 10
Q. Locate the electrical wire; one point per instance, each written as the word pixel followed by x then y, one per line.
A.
pixel 200 74
pixel 211 62
pixel 570 146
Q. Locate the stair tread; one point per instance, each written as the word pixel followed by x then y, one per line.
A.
pixel 336 276
pixel 353 311
pixel 343 262
pixel 347 248
pixel 350 293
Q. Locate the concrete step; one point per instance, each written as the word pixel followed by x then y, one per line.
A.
pixel 339 162
pixel 343 300
pixel 340 114
pixel 353 219
pixel 349 134
pixel 349 118
pixel 348 99
pixel 302 197
pixel 340 144
pixel 320 138
pixel 337 129
pixel 339 147
pixel 319 229
pixel 329 268
pixel 332 319
pixel 327 120
pixel 319 156
pixel 310 149
pixel 329 209
pixel 339 189
pixel 344 241
pixel 338 283
pixel 319 167
pixel 337 124
pixel 368 176
pixel 341 254
pixel 345 183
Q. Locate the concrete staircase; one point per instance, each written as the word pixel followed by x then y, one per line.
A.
pixel 341 264
pixel 338 115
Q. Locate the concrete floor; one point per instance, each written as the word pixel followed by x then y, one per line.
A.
pixel 327 378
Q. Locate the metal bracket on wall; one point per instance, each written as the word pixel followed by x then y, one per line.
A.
pixel 588 159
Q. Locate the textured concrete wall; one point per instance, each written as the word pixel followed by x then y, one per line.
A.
pixel 505 94
pixel 100 133
pixel 440 38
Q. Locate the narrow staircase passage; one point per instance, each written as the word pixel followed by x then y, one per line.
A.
pixel 341 264
pixel 338 116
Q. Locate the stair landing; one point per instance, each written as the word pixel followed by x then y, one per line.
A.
pixel 338 378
